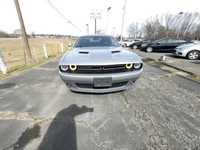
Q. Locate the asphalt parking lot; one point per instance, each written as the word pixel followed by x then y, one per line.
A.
pixel 37 111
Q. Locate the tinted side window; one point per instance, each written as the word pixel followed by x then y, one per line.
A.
pixel 176 41
pixel 172 41
pixel 164 41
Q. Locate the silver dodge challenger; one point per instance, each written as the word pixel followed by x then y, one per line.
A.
pixel 97 64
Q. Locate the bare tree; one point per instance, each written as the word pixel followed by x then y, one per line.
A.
pixel 135 30
pixel 149 30
pixel 181 26
pixel 153 29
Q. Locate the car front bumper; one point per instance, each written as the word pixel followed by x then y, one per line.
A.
pixel 120 81
pixel 180 53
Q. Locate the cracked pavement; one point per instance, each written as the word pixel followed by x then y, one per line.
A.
pixel 160 112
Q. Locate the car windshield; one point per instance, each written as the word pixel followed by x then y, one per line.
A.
pixel 96 41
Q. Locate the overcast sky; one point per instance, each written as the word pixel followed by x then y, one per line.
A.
pixel 39 17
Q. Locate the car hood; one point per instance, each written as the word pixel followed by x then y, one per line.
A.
pixel 188 47
pixel 185 45
pixel 100 56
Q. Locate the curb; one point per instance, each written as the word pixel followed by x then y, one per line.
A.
pixel 191 76
pixel 177 68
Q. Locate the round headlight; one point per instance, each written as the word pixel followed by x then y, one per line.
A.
pixel 129 66
pixel 137 65
pixel 72 67
pixel 64 67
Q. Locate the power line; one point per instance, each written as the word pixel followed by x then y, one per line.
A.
pixel 62 15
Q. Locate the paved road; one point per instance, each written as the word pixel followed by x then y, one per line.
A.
pixel 38 112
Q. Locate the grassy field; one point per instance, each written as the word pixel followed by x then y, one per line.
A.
pixel 13 54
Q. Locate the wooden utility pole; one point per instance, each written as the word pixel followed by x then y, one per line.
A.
pixel 24 35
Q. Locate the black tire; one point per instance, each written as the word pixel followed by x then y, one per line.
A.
pixel 193 55
pixel 135 46
pixel 149 49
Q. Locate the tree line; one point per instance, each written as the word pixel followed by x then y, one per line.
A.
pixel 183 25
pixel 4 34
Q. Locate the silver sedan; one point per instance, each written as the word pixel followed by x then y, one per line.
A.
pixel 191 51
pixel 97 64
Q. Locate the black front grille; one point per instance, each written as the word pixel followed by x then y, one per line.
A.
pixel 90 86
pixel 101 69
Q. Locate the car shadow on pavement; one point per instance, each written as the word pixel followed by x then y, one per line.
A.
pixel 61 134
pixel 7 85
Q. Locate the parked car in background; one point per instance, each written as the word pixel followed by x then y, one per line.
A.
pixel 128 43
pixel 97 64
pixel 138 44
pixel 190 51
pixel 125 43
pixel 195 41
pixel 163 45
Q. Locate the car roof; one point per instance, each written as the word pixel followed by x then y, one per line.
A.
pixel 168 38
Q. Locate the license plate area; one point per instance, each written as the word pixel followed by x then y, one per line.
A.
pixel 102 82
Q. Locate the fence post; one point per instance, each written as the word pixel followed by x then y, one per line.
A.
pixel 34 54
pixel 62 47
pixel 45 51
pixel 3 66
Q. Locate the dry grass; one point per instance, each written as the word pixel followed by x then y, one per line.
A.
pixel 12 50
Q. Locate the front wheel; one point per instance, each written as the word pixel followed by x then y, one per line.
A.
pixel 149 49
pixel 135 47
pixel 193 55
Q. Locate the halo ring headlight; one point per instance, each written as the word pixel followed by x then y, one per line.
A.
pixel 129 66
pixel 137 65
pixel 72 67
pixel 64 67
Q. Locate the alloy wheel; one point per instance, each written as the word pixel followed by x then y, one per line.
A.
pixel 135 47
pixel 149 49
pixel 193 55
